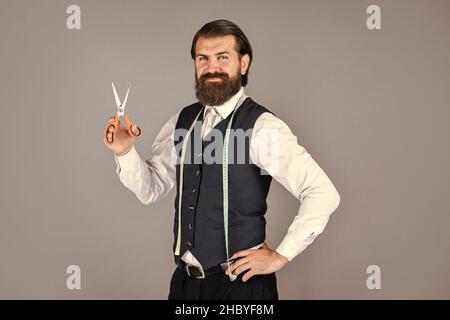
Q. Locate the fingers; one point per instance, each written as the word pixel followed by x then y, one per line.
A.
pixel 244 267
pixel 240 254
pixel 241 268
pixel 132 128
pixel 238 263
pixel 106 137
pixel 110 133
pixel 112 125
pixel 248 275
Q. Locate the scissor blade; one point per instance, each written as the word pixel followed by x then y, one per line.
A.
pixel 124 104
pixel 116 96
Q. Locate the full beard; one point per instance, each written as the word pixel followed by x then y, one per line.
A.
pixel 216 93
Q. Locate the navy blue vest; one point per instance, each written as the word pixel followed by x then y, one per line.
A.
pixel 202 225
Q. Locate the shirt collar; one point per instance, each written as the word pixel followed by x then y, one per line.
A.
pixel 225 109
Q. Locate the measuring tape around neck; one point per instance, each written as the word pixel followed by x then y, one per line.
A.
pixel 224 182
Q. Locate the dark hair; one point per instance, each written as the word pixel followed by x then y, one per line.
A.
pixel 223 28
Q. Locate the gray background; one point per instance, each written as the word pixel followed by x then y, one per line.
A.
pixel 372 108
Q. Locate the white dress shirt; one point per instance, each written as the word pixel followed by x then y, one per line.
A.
pixel 291 165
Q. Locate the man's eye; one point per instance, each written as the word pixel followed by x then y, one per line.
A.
pixel 201 58
pixel 223 57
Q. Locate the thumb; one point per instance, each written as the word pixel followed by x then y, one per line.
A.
pixel 134 129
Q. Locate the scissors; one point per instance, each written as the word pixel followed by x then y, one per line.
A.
pixel 121 113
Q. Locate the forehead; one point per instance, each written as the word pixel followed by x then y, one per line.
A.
pixel 215 44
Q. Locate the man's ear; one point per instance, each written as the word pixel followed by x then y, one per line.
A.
pixel 245 61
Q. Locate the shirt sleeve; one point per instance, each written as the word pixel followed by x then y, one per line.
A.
pixel 152 179
pixel 274 148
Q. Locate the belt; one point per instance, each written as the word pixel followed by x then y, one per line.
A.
pixel 199 273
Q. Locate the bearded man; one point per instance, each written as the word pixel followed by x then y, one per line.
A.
pixel 219 225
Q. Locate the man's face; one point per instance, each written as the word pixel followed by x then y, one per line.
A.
pixel 218 69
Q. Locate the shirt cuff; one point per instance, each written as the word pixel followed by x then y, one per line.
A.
pixel 290 247
pixel 128 161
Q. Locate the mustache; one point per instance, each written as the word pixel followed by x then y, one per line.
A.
pixel 214 75
pixel 216 92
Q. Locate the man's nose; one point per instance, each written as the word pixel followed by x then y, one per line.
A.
pixel 213 66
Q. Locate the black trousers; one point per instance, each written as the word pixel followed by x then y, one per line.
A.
pixel 219 287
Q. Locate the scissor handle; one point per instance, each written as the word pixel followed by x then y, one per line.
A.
pixel 110 139
pixel 134 134
pixel 129 124
pixel 114 125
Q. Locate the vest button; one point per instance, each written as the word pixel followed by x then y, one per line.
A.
pixel 189 244
pixel 190 226
pixel 197 172
pixel 193 190
pixel 191 207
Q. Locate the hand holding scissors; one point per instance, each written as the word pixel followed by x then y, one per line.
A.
pixel 113 129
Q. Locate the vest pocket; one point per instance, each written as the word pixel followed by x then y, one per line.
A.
pixel 230 225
